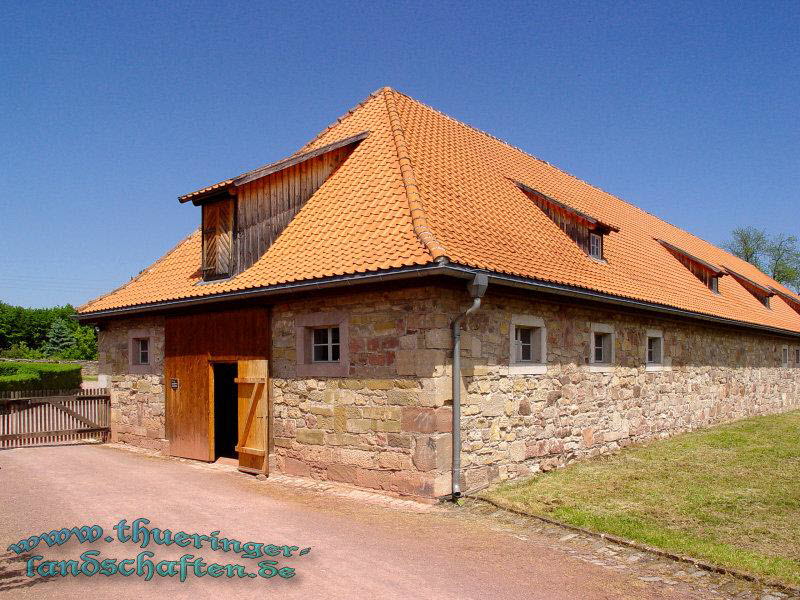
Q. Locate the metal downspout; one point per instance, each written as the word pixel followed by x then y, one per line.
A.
pixel 477 289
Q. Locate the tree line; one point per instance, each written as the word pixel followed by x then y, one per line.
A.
pixel 776 255
pixel 45 333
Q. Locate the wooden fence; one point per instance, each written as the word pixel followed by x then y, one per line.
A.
pixel 34 418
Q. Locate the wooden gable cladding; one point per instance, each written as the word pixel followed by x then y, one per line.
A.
pixel 218 241
pixel 265 206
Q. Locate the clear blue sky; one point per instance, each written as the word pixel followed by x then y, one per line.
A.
pixel 109 111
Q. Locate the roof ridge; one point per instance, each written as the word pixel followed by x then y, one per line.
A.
pixel 140 273
pixel 419 218
pixel 504 142
pixel 338 121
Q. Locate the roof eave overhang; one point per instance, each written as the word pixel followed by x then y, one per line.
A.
pixel 406 273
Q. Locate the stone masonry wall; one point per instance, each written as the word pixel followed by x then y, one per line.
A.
pixel 515 425
pixel 137 393
pixel 384 425
pixel 384 422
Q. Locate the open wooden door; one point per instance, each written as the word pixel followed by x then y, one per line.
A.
pixel 253 383
pixel 193 343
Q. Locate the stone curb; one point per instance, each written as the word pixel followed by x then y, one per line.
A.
pixel 510 507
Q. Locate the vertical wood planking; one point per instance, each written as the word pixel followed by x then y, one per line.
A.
pixel 265 207
pixel 192 343
pixel 41 422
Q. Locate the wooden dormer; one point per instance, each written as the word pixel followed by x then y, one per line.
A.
pixel 242 217
pixel 792 301
pixel 758 291
pixel 586 231
pixel 704 271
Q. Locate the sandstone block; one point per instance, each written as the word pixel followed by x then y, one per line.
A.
pixel 433 452
pixel 426 420
pixel 310 436
pixel 438 338
pixel 343 473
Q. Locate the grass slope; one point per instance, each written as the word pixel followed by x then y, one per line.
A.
pixel 729 495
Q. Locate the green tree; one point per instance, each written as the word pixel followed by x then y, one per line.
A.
pixel 748 243
pixel 783 260
pixel 24 331
pixel 85 347
pixel 59 338
pixel 776 255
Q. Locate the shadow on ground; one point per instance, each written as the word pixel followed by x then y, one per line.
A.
pixel 13 574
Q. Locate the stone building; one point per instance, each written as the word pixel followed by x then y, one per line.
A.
pixel 308 326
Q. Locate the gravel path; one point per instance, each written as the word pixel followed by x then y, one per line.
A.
pixel 362 545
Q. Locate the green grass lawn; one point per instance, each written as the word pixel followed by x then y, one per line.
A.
pixel 728 495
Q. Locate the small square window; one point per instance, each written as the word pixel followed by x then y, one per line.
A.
pixel 601 347
pixel 654 350
pixel 596 245
pixel 141 348
pixel 325 345
pixel 528 345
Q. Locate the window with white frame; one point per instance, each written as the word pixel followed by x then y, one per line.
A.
pixel 596 246
pixel 785 356
pixel 655 348
pixel 528 345
pixel 141 351
pixel 601 350
pixel 325 345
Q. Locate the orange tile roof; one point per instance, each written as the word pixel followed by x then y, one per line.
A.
pixel 423 186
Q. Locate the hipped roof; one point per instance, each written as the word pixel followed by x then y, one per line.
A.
pixel 422 186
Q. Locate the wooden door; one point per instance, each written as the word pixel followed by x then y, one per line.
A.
pixel 253 384
pixel 186 372
pixel 192 343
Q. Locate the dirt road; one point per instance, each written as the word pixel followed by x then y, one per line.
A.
pixel 358 549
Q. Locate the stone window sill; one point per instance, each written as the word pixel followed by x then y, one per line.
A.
pixel 601 368
pixel 657 368
pixel 323 369
pixel 522 369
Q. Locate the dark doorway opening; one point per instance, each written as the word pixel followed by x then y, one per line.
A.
pixel 226 410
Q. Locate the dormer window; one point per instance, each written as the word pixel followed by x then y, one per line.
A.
pixel 596 245
pixel 707 273
pixel 794 303
pixel 218 238
pixel 582 229
pixel 242 217
pixel 759 292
